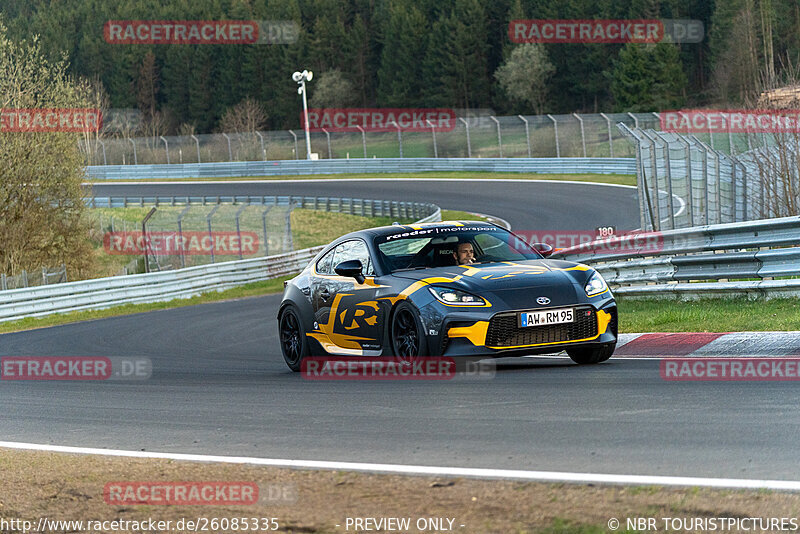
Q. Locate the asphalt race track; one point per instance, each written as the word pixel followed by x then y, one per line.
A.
pixel 220 386
pixel 526 204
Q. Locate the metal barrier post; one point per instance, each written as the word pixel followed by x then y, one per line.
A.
pixel 166 145
pixel 433 131
pixel 210 235
pixel 328 135
pixel 264 227
pixel 144 238
pixel 263 150
pixel 230 152
pixel 296 155
pixel 583 134
pixel 527 134
pixel 555 130
pixel 469 143
pixel 289 241
pixel 181 215
pixel 690 185
pixel 363 140
pixel 610 141
pixel 197 144
pixel 102 144
pixel 135 158
pixel 238 230
pixel 399 138
pixel 499 137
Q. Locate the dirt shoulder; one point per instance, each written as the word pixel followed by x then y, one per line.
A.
pixel 62 486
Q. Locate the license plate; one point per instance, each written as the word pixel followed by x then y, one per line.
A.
pixel 546 317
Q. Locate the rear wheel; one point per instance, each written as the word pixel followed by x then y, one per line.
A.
pixel 294 344
pixel 592 355
pixel 407 339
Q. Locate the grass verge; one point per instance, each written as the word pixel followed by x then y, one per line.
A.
pixel 618 179
pixel 70 487
pixel 708 315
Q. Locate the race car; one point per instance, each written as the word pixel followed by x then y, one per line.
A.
pixel 462 288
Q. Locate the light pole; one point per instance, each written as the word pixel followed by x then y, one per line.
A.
pixel 301 78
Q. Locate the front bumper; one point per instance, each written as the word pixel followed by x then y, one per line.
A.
pixel 498 334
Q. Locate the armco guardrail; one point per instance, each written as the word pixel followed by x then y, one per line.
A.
pixel 153 287
pixel 183 283
pixel 678 263
pixel 426 212
pixel 375 165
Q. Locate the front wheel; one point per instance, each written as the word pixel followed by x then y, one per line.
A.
pixel 294 344
pixel 592 355
pixel 406 332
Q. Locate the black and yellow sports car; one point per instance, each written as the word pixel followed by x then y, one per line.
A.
pixel 456 289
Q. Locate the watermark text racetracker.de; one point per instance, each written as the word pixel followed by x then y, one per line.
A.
pixel 565 31
pixel 394 368
pixel 196 32
pixel 50 120
pixel 596 241
pixel 731 121
pixel 721 369
pixel 183 243
pixel 244 523
pixel 380 119
pixel 74 368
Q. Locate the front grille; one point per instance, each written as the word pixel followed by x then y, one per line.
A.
pixel 504 330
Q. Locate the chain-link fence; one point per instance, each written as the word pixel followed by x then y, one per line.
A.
pixel 37 277
pixel 585 135
pixel 684 182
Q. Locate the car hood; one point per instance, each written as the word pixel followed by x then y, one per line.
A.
pixel 559 281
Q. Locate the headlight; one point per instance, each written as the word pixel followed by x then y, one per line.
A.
pixel 454 297
pixel 595 285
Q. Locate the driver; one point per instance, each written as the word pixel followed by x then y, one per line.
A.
pixel 464 253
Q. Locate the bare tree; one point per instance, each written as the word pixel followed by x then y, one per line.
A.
pixel 247 116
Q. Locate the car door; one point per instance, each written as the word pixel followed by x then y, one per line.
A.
pixel 347 316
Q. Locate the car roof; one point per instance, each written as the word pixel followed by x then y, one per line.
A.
pixel 380 231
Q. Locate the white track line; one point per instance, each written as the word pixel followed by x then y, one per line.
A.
pixel 469 472
pixel 312 180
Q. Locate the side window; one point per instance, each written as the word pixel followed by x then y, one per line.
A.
pixel 325 263
pixel 353 250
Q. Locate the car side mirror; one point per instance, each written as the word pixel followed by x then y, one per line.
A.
pixel 543 248
pixel 351 269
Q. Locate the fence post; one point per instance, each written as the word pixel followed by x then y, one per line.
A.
pixel 363 140
pixel 433 131
pixel 610 141
pixel 583 133
pixel 210 235
pixel 181 215
pixel 289 241
pixel 469 143
pixel 499 137
pixel 24 278
pixel 296 155
pixel 527 134
pixel 3 282
pixel 102 144
pixel 166 145
pixel 264 228
pixel 197 144
pixel 328 135
pixel 44 276
pixel 263 150
pixel 555 130
pixel 690 185
pixel 665 150
pixel 144 238
pixel 135 157
pixel 230 152
pixel 399 138
pixel 238 230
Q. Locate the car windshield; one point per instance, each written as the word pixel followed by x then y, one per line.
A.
pixel 439 246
